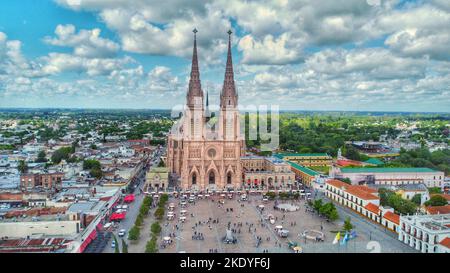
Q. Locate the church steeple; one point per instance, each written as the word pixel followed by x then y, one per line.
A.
pixel 195 93
pixel 229 97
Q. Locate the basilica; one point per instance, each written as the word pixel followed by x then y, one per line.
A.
pixel 201 156
pixel 204 155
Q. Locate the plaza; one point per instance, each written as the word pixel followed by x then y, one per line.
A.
pixel 207 220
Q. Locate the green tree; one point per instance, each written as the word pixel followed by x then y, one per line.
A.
pixel 155 228
pixel 124 246
pixel 436 200
pixel 317 204
pixel 347 225
pixel 151 246
pixel 417 199
pixel 134 233
pixel 41 158
pixel 159 213
pixel 91 164
pixel 97 173
pixel 22 166
pixel 116 243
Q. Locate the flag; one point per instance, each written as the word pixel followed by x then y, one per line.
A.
pixel 336 239
pixel 344 241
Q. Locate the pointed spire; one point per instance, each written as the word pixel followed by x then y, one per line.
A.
pixel 195 88
pixel 229 96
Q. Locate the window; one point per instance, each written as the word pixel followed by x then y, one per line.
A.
pixel 194 179
pixel 212 178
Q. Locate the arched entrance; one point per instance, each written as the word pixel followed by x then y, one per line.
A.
pixel 194 179
pixel 229 178
pixel 211 178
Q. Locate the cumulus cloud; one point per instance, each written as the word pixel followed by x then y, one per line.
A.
pixel 85 43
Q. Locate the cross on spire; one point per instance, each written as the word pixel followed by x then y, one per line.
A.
pixel 195 88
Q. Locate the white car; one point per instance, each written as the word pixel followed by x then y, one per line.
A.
pixel 122 232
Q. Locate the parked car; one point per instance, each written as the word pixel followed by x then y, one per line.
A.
pixel 122 232
pixel 113 244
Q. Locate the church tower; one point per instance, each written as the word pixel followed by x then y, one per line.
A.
pixel 194 99
pixel 229 121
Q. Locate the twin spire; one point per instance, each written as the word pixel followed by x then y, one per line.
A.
pixel 228 96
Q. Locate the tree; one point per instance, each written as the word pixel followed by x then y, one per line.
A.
pixel 317 204
pixel 155 228
pixel 41 158
pixel 61 153
pixel 22 167
pixel 124 246
pixel 151 246
pixel 134 233
pixel 346 180
pixel 139 220
pixel 436 200
pixel 91 164
pixel 334 215
pixel 97 173
pixel 116 249
pixel 159 213
pixel 347 225
pixel 417 199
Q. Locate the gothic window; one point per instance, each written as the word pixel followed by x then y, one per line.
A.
pixel 212 178
pixel 211 153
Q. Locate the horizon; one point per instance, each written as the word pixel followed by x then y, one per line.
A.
pixel 3 109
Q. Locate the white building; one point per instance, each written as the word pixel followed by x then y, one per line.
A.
pixel 426 233
pixel 391 176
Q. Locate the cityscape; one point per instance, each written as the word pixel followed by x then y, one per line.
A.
pixel 207 139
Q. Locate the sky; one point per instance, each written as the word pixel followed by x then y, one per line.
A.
pixel 358 55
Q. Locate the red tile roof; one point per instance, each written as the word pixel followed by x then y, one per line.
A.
pixel 446 242
pixel 362 192
pixel 390 216
pixel 438 209
pixel 373 208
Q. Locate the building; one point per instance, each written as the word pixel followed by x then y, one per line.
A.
pixel 44 225
pixel 391 176
pixel 364 201
pixel 157 178
pixel 43 180
pixel 306 175
pixel 206 157
pixel 266 173
pixel 438 210
pixel 308 160
pixel 426 233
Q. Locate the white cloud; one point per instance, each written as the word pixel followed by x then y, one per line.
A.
pixel 269 50
pixel 86 43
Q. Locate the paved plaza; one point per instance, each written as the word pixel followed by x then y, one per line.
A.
pixel 207 219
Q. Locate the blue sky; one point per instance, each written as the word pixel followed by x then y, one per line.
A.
pixel 379 55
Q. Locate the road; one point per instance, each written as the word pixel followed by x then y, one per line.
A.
pixel 133 208
pixel 386 239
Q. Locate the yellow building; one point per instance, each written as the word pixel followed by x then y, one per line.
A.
pixel 308 160
pixel 157 178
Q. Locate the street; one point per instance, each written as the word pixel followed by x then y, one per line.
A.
pixel 133 209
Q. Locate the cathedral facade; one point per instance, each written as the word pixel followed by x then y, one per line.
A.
pixel 202 156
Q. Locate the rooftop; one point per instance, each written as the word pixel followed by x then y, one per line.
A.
pixel 282 155
pixel 303 169
pixel 387 170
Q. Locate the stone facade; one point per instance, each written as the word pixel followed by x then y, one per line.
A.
pixel 202 156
